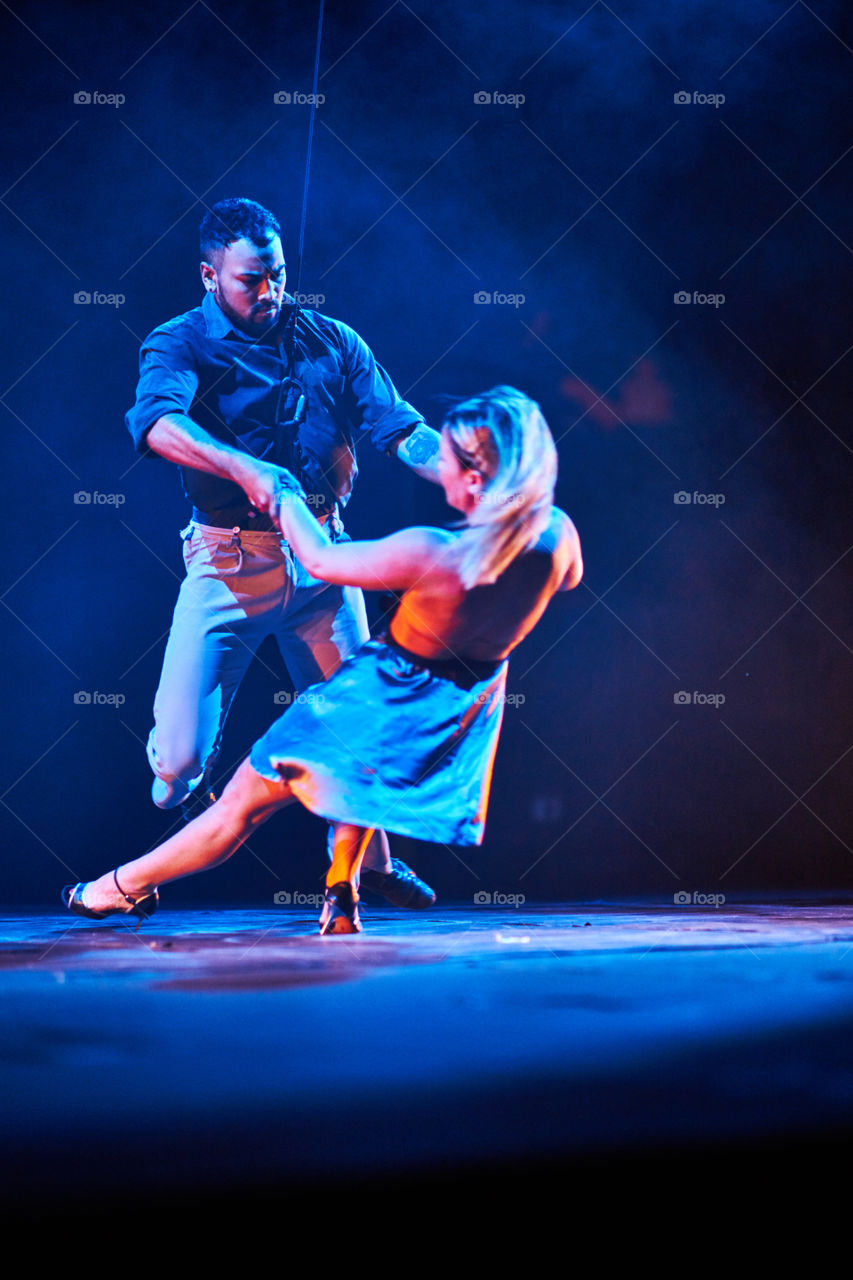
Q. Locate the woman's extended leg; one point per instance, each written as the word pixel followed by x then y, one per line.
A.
pixel 211 838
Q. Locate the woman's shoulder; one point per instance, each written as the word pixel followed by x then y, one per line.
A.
pixel 567 548
pixel 430 549
pixel 558 547
pixel 432 540
pixel 559 528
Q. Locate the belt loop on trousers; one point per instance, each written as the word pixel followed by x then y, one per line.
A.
pixel 235 542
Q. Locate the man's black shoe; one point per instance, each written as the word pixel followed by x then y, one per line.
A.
pixel 399 886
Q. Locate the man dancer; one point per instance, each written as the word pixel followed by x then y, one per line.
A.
pixel 236 391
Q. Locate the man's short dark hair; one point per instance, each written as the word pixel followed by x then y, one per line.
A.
pixel 236 219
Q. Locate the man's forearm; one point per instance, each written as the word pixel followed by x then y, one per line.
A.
pixel 419 450
pixel 178 439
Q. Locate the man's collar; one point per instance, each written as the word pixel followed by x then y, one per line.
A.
pixel 218 324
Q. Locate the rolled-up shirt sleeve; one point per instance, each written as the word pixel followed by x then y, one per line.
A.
pixel 168 381
pixel 384 414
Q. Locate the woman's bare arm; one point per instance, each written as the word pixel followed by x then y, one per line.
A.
pixel 393 563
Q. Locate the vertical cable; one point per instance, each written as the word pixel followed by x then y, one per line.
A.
pixel 310 148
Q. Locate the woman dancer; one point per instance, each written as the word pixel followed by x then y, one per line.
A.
pixel 403 736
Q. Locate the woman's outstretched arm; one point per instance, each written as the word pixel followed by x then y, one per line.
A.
pixel 393 563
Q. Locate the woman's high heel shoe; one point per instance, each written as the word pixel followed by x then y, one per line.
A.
pixel 72 896
pixel 340 910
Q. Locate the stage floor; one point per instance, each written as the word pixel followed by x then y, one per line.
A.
pixel 217 1048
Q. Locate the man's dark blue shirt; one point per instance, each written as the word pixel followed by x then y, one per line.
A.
pixel 300 396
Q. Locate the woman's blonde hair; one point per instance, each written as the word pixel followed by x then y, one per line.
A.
pixel 503 436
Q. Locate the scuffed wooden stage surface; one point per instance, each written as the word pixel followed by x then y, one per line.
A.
pixel 216 1047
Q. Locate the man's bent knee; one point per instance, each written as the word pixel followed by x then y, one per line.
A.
pixel 176 776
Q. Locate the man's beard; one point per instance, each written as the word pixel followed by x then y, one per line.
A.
pixel 246 326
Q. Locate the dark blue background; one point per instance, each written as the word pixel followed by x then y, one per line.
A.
pixel 597 198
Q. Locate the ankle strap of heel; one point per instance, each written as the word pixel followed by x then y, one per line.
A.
pixel 155 893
